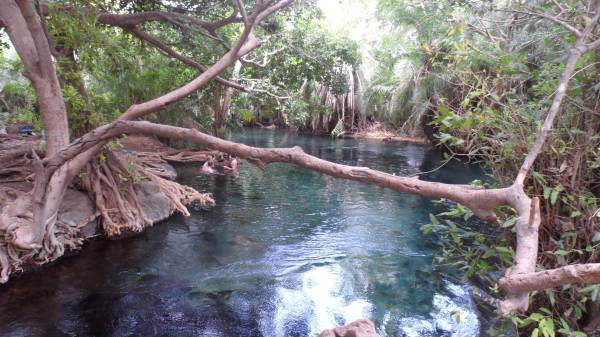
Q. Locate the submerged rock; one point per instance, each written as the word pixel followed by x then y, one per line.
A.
pixel 359 328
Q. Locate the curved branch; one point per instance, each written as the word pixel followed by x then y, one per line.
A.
pixel 246 43
pixel 136 19
pixel 481 201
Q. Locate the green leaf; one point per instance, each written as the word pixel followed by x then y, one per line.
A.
pixel 510 222
pixel 593 290
pixel 536 316
pixel 504 250
pixel 547 192
pixel 554 196
pixel 561 252
pixel 550 295
pixel 433 219
pixel 539 178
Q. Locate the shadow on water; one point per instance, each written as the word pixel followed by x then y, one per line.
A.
pixel 285 252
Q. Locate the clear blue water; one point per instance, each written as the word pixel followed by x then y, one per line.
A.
pixel 285 252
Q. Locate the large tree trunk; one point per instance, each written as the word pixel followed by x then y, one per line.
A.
pixel 25 30
pixel 54 115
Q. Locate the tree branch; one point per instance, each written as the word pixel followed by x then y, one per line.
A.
pixel 577 273
pixel 143 17
pixel 574 54
pixel 481 201
pixel 185 60
pixel 554 19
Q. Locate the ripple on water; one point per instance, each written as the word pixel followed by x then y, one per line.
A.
pixel 453 315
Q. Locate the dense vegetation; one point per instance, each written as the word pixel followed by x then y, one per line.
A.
pixel 480 76
pixel 476 77
pixel 295 79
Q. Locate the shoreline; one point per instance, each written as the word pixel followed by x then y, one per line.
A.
pixel 378 135
pixel 385 136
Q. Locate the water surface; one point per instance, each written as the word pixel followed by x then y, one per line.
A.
pixel 285 252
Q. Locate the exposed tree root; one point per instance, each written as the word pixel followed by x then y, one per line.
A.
pixel 16 219
pixel 34 226
pixel 112 181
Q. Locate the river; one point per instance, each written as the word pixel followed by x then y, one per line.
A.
pixel 285 252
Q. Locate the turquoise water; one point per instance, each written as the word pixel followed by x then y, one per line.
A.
pixel 285 252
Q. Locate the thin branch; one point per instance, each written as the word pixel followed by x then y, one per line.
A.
pixel 574 55
pixel 562 9
pixel 554 19
pixel 188 61
pixel 592 45
pixel 242 10
pixel 265 60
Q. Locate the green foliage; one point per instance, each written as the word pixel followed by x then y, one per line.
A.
pixel 305 57
pixel 483 93
pixel 298 113
pixel 338 129
pixel 245 115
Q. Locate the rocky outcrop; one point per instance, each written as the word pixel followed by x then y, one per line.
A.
pixel 78 210
pixel 155 204
pixel 359 328
pixel 128 190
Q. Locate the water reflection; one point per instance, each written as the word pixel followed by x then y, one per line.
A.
pixel 286 252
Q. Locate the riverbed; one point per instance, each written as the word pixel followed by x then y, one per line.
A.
pixel 285 252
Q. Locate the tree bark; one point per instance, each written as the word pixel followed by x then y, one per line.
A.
pixel 237 68
pixel 217 118
pixel 576 273
pixel 27 36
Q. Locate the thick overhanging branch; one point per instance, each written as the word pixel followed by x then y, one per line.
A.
pixel 576 273
pixel 481 201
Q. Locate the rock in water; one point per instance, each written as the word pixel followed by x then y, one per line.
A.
pixel 359 328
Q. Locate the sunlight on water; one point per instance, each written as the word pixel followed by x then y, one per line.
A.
pixel 452 315
pixel 320 300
